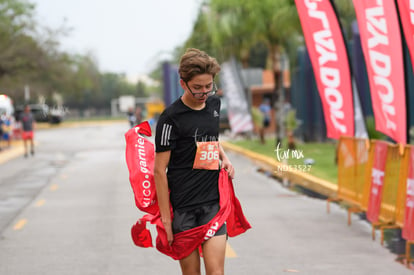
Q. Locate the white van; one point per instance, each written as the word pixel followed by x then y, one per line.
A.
pixel 6 105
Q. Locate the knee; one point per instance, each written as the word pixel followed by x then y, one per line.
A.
pixel 215 270
pixel 191 272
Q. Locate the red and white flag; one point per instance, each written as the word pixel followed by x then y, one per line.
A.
pixel 377 180
pixel 330 63
pixel 382 47
pixel 408 227
pixel 406 8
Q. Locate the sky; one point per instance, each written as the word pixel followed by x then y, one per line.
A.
pixel 124 36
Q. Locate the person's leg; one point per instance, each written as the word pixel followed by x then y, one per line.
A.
pixel 214 252
pixel 182 221
pixel 31 146
pixel 190 265
pixel 25 147
pixel 261 133
pixel 214 249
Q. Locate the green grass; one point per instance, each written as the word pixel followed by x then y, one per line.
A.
pixel 322 153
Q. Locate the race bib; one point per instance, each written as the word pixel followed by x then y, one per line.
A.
pixel 207 155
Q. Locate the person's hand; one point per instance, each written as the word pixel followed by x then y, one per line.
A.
pixel 226 164
pixel 168 230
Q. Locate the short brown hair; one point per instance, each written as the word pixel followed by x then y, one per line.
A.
pixel 195 62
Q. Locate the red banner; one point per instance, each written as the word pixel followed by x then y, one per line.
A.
pixel 381 43
pixel 406 8
pixel 139 155
pixel 408 227
pixel 377 180
pixel 329 58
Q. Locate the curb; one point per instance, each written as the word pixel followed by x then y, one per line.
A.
pixel 13 152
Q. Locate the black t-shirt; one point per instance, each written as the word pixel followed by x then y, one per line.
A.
pixel 27 122
pixel 178 129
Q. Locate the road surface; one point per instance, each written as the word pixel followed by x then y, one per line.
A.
pixel 69 210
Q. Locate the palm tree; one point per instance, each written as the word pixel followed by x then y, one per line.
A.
pixel 237 25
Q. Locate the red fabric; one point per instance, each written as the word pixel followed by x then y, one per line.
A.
pixel 330 63
pixel 377 180
pixel 27 135
pixel 139 156
pixel 406 8
pixel 382 47
pixel 141 236
pixel 187 241
pixel 236 222
pixel 408 227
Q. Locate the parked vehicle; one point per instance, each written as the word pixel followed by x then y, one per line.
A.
pixel 6 105
pixel 56 114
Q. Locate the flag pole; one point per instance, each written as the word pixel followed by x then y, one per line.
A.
pixel 407 103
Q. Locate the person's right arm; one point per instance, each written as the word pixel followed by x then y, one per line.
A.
pixel 161 184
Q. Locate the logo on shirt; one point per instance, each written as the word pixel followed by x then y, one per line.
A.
pixel 215 114
pixel 165 135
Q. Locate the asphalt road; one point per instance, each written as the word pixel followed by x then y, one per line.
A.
pixel 69 210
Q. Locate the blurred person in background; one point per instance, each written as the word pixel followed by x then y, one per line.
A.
pixel 265 109
pixel 138 115
pixel 1 133
pixel 131 117
pixel 6 125
pixel 28 125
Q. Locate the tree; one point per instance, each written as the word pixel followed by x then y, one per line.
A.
pixel 235 26
pixel 140 91
pixel 17 48
pixel 30 55
pixel 222 31
pixel 346 13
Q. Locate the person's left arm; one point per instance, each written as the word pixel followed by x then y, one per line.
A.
pixel 226 163
pixel 33 124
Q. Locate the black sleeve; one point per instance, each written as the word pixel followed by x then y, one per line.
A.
pixel 164 134
pixel 219 104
